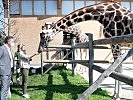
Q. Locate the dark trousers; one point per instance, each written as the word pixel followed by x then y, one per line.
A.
pixel 25 75
pixel 5 84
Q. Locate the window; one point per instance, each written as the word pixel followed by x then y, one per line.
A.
pixel 67 6
pixel 88 3
pixel 79 4
pixel 26 7
pixel 131 5
pixel 126 4
pixel 98 2
pixel 14 7
pixel 51 7
pixel 39 7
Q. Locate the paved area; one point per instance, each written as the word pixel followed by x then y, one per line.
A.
pixel 109 83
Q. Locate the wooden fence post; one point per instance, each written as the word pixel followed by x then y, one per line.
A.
pixel 73 55
pixel 91 58
pixel 41 62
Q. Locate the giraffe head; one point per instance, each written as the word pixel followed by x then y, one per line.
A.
pixel 45 37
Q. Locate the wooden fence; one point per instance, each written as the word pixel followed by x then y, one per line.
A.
pixel 90 63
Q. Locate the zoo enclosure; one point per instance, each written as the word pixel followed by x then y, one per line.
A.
pixel 90 63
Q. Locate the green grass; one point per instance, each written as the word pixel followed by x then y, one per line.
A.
pixel 57 85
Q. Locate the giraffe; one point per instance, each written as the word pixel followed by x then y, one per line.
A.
pixel 116 20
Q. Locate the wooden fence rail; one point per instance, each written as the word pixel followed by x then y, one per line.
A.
pixel 113 40
pixel 74 61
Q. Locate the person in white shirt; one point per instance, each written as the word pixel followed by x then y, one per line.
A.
pixel 24 62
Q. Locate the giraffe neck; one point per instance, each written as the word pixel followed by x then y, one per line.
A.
pixel 76 31
pixel 109 14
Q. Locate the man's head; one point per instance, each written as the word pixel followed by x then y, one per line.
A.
pixel 9 41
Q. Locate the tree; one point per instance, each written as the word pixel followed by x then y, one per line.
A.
pixel 1 23
pixel 5 23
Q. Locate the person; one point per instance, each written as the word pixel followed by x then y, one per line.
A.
pixel 17 59
pixel 6 63
pixel 24 60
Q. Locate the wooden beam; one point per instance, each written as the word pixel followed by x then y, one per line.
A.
pixel 91 58
pixel 118 76
pixel 74 61
pixel 59 4
pixel 115 40
pixel 80 45
pixel 60 46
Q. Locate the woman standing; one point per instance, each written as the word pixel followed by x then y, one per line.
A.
pixel 25 59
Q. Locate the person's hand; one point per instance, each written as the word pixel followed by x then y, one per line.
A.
pixel 30 59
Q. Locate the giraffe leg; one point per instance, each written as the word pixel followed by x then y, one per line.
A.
pixel 118 87
pixel 85 58
pixel 81 55
pixel 78 66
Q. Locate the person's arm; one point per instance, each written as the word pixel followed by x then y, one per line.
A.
pixel 23 56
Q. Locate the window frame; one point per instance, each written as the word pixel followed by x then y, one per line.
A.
pixel 59 11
